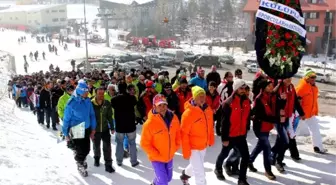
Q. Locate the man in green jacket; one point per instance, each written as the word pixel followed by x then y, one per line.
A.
pixel 64 100
pixel 103 112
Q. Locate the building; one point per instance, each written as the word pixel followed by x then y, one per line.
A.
pixel 43 18
pixel 319 18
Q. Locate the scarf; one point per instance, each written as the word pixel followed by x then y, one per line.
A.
pixel 290 92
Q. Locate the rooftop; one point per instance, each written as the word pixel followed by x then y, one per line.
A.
pixel 322 5
pixel 27 8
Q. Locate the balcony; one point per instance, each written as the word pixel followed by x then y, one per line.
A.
pixel 328 20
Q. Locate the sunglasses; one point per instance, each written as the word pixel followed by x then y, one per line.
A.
pixel 313 77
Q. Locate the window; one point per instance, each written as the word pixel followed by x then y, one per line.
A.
pixel 313 15
pixel 304 14
pixel 55 20
pixel 312 28
pixel 329 15
pixel 61 10
pixel 63 19
pixel 53 11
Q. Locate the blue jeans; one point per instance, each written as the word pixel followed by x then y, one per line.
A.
pixel 120 137
pixel 233 159
pixel 264 145
pixel 281 143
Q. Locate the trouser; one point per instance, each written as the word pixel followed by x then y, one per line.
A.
pixel 48 116
pixel 18 102
pixel 120 147
pixel 106 138
pixel 294 152
pixel 281 143
pixel 54 116
pixel 233 159
pixel 31 106
pixel 264 145
pixel 24 101
pixel 314 129
pixel 241 144
pixel 82 147
pixel 40 115
pixel 196 166
pixel 163 172
pixel 218 119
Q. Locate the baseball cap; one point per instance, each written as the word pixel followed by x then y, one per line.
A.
pixel 159 99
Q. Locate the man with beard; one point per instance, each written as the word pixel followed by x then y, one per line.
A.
pixel 213 76
pixel 199 80
pixel 172 99
pixel 236 116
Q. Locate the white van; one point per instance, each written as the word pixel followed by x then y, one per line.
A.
pixel 177 55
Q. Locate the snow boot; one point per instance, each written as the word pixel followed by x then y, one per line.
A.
pixel 81 169
pixel 85 165
pixel 219 174
pixel 135 164
pixel 270 175
pixel 243 182
pixel 280 167
pixel 109 168
pixel 184 178
pixel 252 168
pixel 320 151
pixel 96 162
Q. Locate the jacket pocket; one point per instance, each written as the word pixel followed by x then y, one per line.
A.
pixel 198 120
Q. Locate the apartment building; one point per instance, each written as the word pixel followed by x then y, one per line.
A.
pixel 319 18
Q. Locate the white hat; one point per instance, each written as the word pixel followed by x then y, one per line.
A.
pixel 59 81
pixel 237 83
pixel 67 79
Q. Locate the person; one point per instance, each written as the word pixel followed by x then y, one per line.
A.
pixel 43 55
pixel 238 74
pixel 56 93
pixel 36 101
pixel 199 79
pixel 197 133
pixel 160 139
pixel 145 104
pixel 172 99
pixel 212 97
pixel 183 94
pixel 111 92
pixel 265 116
pixel 307 91
pixel 213 76
pixel 236 116
pixel 141 84
pixel 79 117
pixel 103 112
pixel 45 103
pixel 124 115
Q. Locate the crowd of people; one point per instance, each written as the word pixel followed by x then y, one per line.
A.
pixel 182 112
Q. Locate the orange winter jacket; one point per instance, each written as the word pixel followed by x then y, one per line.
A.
pixel 309 95
pixel 197 128
pixel 157 140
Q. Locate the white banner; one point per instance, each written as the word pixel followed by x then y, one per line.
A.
pixel 78 131
pixel 281 22
pixel 282 8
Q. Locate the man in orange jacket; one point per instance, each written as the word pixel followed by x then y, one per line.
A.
pixel 160 139
pixel 197 133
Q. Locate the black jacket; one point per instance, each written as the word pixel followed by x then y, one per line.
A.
pixel 124 114
pixel 173 102
pixel 213 76
pixel 45 99
pixel 56 93
pixel 141 87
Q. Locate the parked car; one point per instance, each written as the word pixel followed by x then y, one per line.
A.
pixel 249 62
pixel 133 64
pixel 130 57
pixel 177 55
pixel 252 68
pixel 207 61
pixel 323 78
pixel 226 59
pixel 189 56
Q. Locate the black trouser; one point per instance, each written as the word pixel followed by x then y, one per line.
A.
pixel 294 152
pixel 82 147
pixel 106 138
pixel 218 119
pixel 48 116
pixel 241 144
pixel 18 102
pixel 40 115
pixel 233 159
pixel 54 116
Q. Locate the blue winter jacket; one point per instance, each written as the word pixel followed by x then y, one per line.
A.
pixel 76 111
pixel 23 92
pixel 200 82
pixel 14 90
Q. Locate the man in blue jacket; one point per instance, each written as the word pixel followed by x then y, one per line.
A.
pixel 199 80
pixel 79 119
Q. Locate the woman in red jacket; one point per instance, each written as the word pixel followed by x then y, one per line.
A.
pixel 212 96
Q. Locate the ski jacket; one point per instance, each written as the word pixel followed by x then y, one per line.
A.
pixel 45 99
pixel 183 97
pixel 213 101
pixel 62 102
pixel 200 82
pixel 197 128
pixel 236 117
pixel 224 90
pixel 160 137
pixel 23 91
pixel 103 115
pixel 309 94
pixel 78 110
pixel 56 93
pixel 145 103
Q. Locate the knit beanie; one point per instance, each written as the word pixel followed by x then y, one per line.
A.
pixel 309 73
pixel 82 88
pixel 237 83
pixel 196 91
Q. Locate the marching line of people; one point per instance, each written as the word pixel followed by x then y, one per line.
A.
pixel 182 114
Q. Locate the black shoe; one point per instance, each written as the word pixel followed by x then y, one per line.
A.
pixel 48 126
pixel 119 164
pixel 252 168
pixel 135 164
pixel 235 171
pixel 280 167
pixel 320 151
pixel 184 178
pixel 54 128
pixel 109 168
pixel 243 182
pixel 219 174
pixel 96 162
pixel 228 170
pixel 270 175
pixel 85 165
pixel 296 158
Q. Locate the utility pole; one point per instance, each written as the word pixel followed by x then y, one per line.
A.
pixel 107 31
pixel 327 48
pixel 87 65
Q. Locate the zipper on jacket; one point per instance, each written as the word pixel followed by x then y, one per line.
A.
pixel 206 121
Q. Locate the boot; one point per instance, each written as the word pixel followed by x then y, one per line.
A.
pixel 184 178
pixel 252 168
pixel 96 162
pixel 320 151
pixel 228 170
pixel 296 158
pixel 235 170
pixel 280 167
pixel 81 169
pixel 109 168
pixel 85 164
pixel 270 175
pixel 219 174
pixel 243 182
